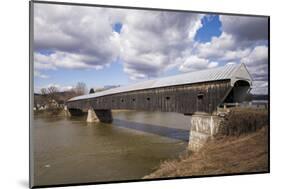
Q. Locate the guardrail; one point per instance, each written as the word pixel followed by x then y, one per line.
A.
pixel 257 104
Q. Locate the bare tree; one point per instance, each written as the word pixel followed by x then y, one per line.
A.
pixel 69 94
pixel 44 97
pixel 44 91
pixel 50 97
pixel 81 88
pixel 52 93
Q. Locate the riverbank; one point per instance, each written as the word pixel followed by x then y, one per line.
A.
pixel 228 155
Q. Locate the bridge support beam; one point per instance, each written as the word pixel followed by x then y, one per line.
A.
pixel 104 116
pixel 203 128
pixel 76 112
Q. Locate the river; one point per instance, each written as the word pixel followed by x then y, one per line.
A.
pixel 70 150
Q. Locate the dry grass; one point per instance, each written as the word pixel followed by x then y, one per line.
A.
pixel 244 120
pixel 228 155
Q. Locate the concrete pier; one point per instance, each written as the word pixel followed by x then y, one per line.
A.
pixel 91 117
pixel 104 116
pixel 66 112
pixel 203 128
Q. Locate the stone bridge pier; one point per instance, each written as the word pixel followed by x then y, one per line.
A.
pixel 93 115
pixel 204 127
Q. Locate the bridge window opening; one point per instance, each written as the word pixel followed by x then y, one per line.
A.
pixel 167 98
pixel 122 100
pixel 200 96
pixel 134 100
pixel 148 99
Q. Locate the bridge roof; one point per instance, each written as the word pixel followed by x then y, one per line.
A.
pixel 233 72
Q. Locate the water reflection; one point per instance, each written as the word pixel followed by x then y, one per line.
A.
pixel 179 134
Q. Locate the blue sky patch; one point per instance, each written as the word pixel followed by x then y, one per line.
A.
pixel 112 75
pixel 211 27
pixel 45 51
pixel 117 27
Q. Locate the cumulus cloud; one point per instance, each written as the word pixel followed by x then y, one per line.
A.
pixel 245 27
pixel 223 48
pixel 148 44
pixel 257 62
pixel 152 42
pixel 194 63
pixel 82 37
pixel 40 75
pixel 61 59
pixel 260 87
pixel 216 47
pixel 75 37
pixel 258 56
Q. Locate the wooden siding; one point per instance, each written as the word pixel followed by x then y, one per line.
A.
pixel 187 99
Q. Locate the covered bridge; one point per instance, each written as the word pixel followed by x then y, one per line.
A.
pixel 200 91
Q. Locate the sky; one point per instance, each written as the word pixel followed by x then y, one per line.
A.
pixel 110 46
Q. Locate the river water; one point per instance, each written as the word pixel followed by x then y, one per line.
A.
pixel 70 150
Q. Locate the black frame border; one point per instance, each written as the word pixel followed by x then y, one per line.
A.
pixel 31 64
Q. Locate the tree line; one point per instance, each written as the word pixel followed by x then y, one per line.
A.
pixel 51 98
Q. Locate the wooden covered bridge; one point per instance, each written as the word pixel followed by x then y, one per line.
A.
pixel 200 91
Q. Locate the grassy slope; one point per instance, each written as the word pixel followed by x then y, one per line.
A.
pixel 246 153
